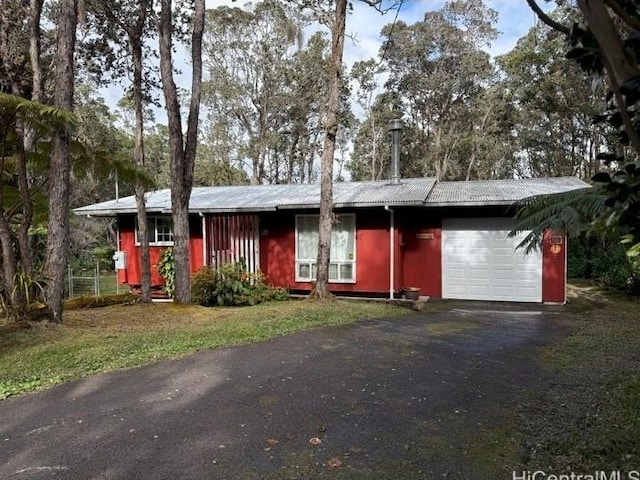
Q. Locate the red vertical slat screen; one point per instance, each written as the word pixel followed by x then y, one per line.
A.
pixel 232 237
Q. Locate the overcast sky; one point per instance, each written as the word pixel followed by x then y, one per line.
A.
pixel 364 25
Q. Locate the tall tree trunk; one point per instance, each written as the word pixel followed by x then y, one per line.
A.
pixel 320 289
pixel 183 153
pixel 59 171
pixel 28 139
pixel 35 14
pixel 24 241
pixel 135 40
pixel 35 7
pixel 8 255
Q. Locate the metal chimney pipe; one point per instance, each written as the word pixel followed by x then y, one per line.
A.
pixel 395 128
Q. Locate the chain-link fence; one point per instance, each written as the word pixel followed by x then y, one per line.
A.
pixel 92 282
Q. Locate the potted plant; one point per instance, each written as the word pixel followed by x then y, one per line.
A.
pixel 411 293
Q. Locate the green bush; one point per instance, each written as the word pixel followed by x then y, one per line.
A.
pixel 606 262
pixel 167 270
pixel 232 285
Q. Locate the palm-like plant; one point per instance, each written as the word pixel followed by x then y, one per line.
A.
pixel 577 212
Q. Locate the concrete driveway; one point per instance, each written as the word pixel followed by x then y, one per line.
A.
pixel 424 396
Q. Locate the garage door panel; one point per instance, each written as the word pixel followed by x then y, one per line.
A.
pixel 500 258
pixel 457 290
pixel 478 254
pixel 479 274
pixel 480 262
pixel 459 273
pixel 502 275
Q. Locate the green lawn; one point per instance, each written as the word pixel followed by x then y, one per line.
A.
pixel 585 417
pixel 588 417
pixel 109 338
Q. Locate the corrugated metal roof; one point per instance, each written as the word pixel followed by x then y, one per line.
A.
pixel 412 191
pixel 499 192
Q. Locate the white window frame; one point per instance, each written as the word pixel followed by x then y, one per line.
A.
pixel 153 241
pixel 312 262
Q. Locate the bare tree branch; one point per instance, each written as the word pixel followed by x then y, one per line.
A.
pixel 546 19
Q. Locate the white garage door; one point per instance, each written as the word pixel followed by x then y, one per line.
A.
pixel 480 262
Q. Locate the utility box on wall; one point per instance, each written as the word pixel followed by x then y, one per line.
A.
pixel 120 259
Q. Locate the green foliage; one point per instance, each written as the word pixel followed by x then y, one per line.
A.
pixel 553 103
pixel 232 285
pixel 39 116
pixel 30 287
pixel 615 270
pixel 437 78
pixel 573 212
pixel 28 292
pixel 266 93
pixel 167 270
pixel 104 255
pixel 623 199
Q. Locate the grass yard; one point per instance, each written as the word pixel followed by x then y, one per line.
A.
pixel 588 418
pixel 583 416
pixel 109 338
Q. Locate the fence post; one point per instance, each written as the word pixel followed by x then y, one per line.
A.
pixel 96 280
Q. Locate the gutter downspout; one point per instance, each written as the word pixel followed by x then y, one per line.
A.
pixel 204 239
pixel 392 249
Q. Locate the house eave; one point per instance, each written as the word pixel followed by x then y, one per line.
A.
pixel 491 203
pixel 232 210
pixel 300 206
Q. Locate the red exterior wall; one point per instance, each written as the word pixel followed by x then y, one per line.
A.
pixel 277 252
pixel 418 255
pixel 422 255
pixel 422 260
pixel 131 275
pixel 277 249
pixel 554 267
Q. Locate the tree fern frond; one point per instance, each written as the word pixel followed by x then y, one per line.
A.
pixel 38 115
pixel 573 212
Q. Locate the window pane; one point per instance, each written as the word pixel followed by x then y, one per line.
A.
pixel 151 229
pixel 333 271
pixel 307 230
pixel 343 238
pixel 164 228
pixel 346 271
pixel 314 271
pixel 304 270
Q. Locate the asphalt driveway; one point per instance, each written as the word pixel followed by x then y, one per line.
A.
pixel 423 396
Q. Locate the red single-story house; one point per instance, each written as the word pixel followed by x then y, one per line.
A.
pixel 449 239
